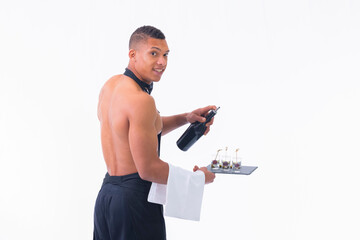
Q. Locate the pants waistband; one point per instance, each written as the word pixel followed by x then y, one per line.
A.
pixel 132 181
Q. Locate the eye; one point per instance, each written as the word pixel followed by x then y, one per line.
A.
pixel 153 53
pixel 166 54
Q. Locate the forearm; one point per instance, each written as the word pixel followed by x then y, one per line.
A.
pixel 170 123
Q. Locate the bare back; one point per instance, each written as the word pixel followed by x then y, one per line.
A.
pixel 120 100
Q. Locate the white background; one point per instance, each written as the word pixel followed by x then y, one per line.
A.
pixel 285 73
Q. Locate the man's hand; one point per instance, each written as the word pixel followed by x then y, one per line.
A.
pixel 198 115
pixel 209 176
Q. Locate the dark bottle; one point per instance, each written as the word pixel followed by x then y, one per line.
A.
pixel 194 132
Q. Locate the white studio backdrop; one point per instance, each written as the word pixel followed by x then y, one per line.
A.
pixel 285 73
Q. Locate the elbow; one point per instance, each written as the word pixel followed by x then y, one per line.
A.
pixel 156 172
pixel 145 174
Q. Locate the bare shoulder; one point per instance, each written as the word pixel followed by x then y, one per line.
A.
pixel 141 106
pixel 106 94
pixel 109 85
pixel 126 99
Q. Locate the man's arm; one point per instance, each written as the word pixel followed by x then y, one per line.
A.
pixel 143 141
pixel 170 123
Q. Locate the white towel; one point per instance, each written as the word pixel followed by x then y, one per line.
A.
pixel 182 196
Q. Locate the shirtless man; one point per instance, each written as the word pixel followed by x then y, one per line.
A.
pixel 131 128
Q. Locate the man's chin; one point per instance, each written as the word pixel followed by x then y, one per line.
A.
pixel 156 79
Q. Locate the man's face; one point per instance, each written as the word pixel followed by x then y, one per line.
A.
pixel 151 59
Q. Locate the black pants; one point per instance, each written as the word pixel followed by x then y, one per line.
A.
pixel 122 211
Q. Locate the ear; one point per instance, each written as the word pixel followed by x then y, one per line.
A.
pixel 132 54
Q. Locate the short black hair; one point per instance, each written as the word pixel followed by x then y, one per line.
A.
pixel 143 33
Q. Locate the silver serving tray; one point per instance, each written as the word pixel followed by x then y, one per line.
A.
pixel 244 170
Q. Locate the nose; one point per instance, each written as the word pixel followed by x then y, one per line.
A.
pixel 162 60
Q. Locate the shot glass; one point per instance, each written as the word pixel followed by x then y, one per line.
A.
pixel 215 162
pixel 226 163
pixel 236 163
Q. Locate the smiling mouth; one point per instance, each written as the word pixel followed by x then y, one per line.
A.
pixel 159 70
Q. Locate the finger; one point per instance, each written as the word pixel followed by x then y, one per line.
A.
pixel 199 118
pixel 207 130
pixel 204 169
pixel 196 117
pixel 206 109
pixel 210 123
pixel 196 168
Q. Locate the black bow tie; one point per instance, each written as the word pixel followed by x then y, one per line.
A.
pixel 144 86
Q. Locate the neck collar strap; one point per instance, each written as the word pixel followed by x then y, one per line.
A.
pixel 144 86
